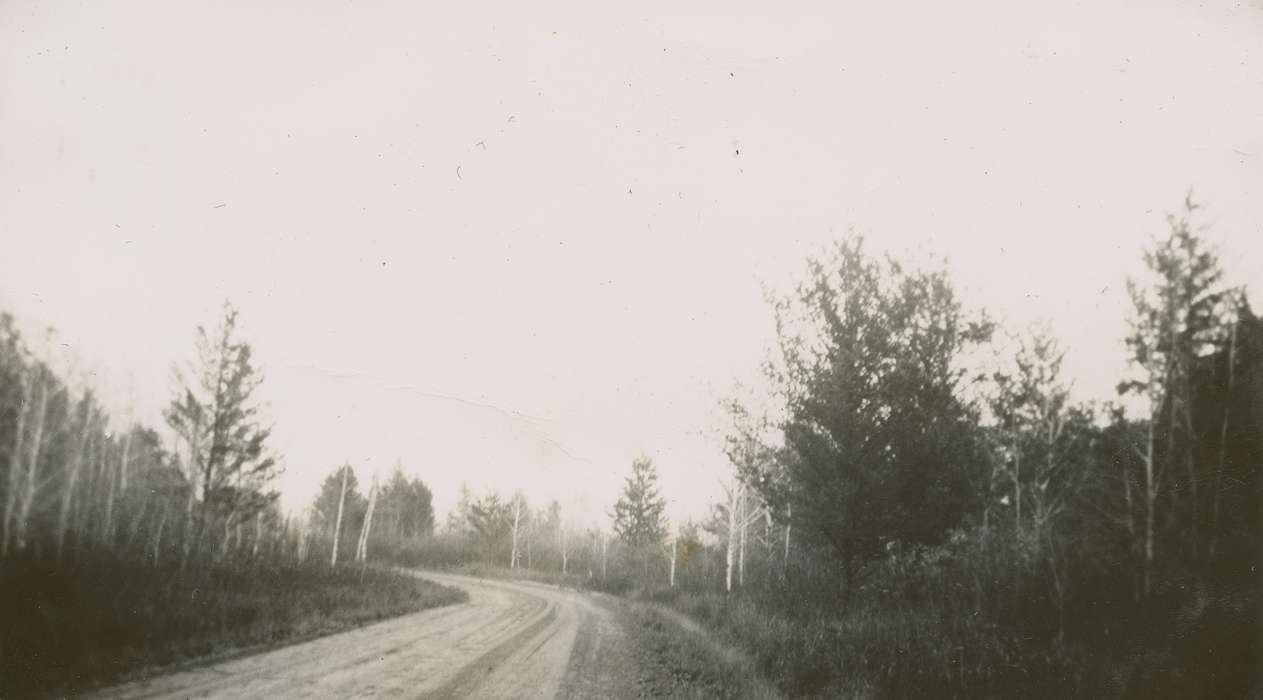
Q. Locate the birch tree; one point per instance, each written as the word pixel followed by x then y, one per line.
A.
pixel 521 512
pixel 361 550
pixel 337 524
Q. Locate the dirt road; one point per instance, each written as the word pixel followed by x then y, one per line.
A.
pixel 511 640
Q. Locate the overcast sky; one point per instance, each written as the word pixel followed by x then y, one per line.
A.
pixel 516 244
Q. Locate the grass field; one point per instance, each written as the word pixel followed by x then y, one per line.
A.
pixel 102 620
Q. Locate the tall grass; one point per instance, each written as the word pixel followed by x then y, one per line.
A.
pixel 99 619
pixel 974 618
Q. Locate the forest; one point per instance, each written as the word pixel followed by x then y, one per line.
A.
pixel 917 506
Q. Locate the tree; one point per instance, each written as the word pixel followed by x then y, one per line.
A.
pixel 1177 317
pixel 520 515
pixel 406 507
pixel 217 417
pixel 339 507
pixel 640 513
pixel 879 445
pixel 361 549
pixel 1042 447
pixel 491 520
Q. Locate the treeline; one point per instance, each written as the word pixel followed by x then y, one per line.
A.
pixel 75 480
pixel 119 551
pixel 923 508
pixel 921 465
pixel 392 515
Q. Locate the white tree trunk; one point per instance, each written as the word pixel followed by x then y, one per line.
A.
pixel 741 561
pixel 562 545
pixel 337 525
pixel 733 495
pixel 157 537
pixel 789 524
pixel 258 534
pixel 1151 498
pixel 15 467
pixel 26 500
pixel 304 543
pixel 72 480
pixel 361 551
pixel 517 528
pixel 673 540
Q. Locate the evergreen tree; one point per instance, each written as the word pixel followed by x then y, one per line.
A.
pixel 217 418
pixel 639 514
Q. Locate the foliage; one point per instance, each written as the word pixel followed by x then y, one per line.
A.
pixel 640 512
pixel 879 443
pixel 217 418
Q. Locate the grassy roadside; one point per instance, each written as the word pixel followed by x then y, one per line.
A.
pixel 104 620
pixel 680 660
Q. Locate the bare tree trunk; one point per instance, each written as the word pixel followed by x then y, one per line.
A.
pixel 72 479
pixel 304 542
pixel 223 547
pixel 1057 587
pixel 517 527
pixel 31 474
pixel 125 466
pixel 743 524
pixel 15 466
pixel 789 523
pixel 107 535
pixel 189 524
pixel 137 519
pixel 1017 489
pixel 565 553
pixel 732 539
pixel 194 470
pixel 1151 498
pixel 673 540
pixel 361 550
pixel 258 534
pixel 1223 441
pixel 157 537
pixel 337 527
pixel 605 543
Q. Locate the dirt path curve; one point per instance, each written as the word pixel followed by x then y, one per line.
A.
pixel 513 639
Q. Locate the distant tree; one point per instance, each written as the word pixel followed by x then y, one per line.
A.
pixel 458 520
pixel 640 512
pixel 491 520
pixel 406 507
pixel 337 515
pixel 879 445
pixel 217 417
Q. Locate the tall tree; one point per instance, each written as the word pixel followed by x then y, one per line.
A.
pixel 331 500
pixel 1177 316
pixel 406 507
pixel 879 444
pixel 640 512
pixel 217 417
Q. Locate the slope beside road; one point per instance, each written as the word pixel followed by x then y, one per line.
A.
pixel 513 639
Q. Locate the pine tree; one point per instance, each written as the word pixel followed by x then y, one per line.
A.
pixel 217 418
pixel 639 515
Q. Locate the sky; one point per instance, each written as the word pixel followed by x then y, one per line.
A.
pixel 516 245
